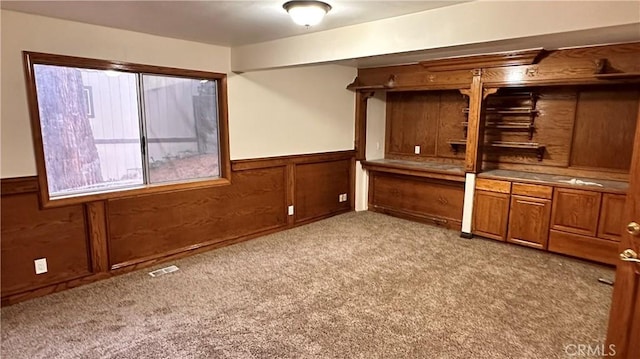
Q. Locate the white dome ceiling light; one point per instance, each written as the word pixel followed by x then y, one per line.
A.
pixel 307 13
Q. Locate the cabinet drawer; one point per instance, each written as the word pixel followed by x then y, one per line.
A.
pixel 532 190
pixel 611 224
pixel 595 249
pixel 576 211
pixel 493 185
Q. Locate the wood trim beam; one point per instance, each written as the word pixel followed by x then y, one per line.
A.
pixel 475 129
pixel 266 162
pixel 19 185
pixel 512 58
pixel 103 64
pixel 415 173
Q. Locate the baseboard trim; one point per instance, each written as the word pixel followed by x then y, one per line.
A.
pixel 443 222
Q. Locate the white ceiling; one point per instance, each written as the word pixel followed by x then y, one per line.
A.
pixel 227 23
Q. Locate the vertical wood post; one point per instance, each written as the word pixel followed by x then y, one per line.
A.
pixel 97 223
pixel 475 129
pixel 290 182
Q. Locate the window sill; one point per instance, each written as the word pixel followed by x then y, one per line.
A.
pixel 144 190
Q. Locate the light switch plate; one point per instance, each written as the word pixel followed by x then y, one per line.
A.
pixel 417 150
pixel 41 265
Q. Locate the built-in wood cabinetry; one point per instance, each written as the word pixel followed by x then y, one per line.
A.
pixel 576 222
pixel 532 131
pixel 513 212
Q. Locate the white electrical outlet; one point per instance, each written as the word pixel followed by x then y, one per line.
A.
pixel 377 145
pixel 41 265
pixel 417 150
pixel 291 210
pixel 342 197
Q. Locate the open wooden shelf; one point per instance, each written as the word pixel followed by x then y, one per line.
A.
pixel 618 75
pixel 604 71
pixel 456 145
pixel 507 111
pixel 506 125
pixel 526 146
pixel 517 95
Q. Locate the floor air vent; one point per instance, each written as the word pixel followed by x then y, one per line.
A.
pixel 165 270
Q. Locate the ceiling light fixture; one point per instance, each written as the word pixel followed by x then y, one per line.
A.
pixel 307 13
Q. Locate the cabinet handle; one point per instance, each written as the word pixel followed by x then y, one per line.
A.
pixel 633 229
pixel 533 203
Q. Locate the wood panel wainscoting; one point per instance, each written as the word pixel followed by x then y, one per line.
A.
pixel 86 242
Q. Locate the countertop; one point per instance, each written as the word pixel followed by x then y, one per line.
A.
pixel 556 180
pixel 456 172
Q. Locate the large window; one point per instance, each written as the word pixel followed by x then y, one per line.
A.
pixel 103 128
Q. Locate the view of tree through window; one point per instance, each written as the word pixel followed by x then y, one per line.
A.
pixel 83 154
pixel 94 139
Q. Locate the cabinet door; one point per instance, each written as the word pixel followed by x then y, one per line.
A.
pixel 490 214
pixel 529 221
pixel 576 211
pixel 611 225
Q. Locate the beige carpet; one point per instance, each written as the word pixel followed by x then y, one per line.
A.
pixel 359 285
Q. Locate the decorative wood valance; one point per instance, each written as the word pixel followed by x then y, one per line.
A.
pixel 512 58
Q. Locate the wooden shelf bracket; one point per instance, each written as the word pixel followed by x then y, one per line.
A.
pixel 357 86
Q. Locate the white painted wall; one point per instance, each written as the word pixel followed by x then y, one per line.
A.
pixel 376 115
pixel 41 34
pixel 291 111
pixel 477 22
pixel 376 122
pixel 286 111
